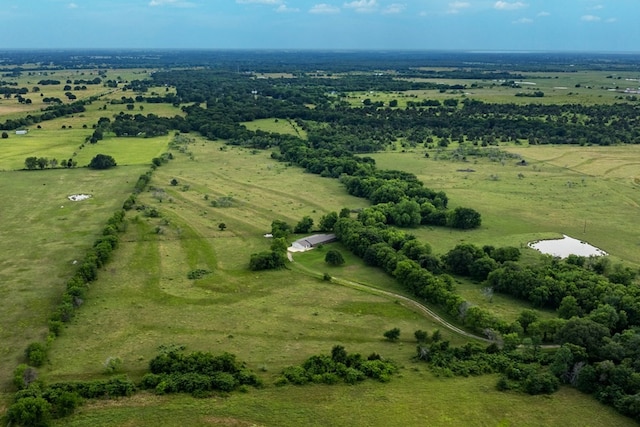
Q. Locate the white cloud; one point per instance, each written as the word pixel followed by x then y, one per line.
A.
pixel 523 21
pixel 505 5
pixel 283 8
pixel 543 13
pixel 176 3
pixel 324 8
pixel 72 6
pixel 394 8
pixel 456 6
pixel 610 20
pixel 590 18
pixel 259 1
pixel 362 6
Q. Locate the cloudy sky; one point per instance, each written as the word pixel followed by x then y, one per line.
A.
pixel 547 25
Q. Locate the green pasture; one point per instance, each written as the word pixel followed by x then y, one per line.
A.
pixel 589 193
pixel 269 319
pixel 416 398
pixel 42 233
pixel 11 108
pixel 144 297
pixel 70 144
pixel 283 126
pixel 582 87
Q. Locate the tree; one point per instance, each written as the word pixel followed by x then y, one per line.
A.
pixel 333 257
pixel 569 307
pixel 5 135
pixel 304 226
pixel 174 182
pixel 328 221
pixel 31 163
pixel 43 162
pixel 345 213
pixel 583 332
pixel 36 354
pixel 464 218
pixel 392 334
pixel 527 317
pixel 102 161
pixel 280 228
pixel 421 336
pixel 30 411
pixel 222 226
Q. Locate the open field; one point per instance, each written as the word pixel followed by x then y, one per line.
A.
pixel 417 398
pixel 589 193
pixel 286 127
pixel 42 234
pixel 583 87
pixel 269 319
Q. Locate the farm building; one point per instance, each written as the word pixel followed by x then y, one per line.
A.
pixel 21 132
pixel 310 242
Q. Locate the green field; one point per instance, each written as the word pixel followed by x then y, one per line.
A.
pixel 588 193
pixel 581 87
pixel 143 298
pixel 269 319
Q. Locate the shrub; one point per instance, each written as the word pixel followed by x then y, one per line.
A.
pixel 36 354
pixel 30 411
pixel 333 257
pixel 102 161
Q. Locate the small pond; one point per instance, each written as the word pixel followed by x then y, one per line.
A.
pixel 566 246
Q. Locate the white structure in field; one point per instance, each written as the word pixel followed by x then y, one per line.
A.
pixel 308 243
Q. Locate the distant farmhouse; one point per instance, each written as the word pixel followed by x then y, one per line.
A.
pixel 22 132
pixel 307 243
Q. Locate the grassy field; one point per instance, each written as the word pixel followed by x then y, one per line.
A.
pixel 269 319
pixel 144 298
pixel 416 399
pixel 286 127
pixel 582 87
pixel 42 234
pixel 589 193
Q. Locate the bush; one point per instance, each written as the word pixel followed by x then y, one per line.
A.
pixel 392 334
pixel 102 161
pixel 333 257
pixel 36 354
pixel 30 411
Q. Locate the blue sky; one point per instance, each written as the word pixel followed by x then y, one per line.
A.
pixel 539 25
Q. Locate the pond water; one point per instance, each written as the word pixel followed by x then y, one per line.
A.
pixel 566 246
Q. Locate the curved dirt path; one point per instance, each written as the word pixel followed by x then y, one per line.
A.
pixel 407 302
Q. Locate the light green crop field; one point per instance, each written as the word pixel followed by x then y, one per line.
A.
pixel 589 193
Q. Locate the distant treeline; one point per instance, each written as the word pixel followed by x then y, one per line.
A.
pixel 313 60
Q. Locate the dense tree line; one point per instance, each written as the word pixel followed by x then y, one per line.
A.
pixel 48 113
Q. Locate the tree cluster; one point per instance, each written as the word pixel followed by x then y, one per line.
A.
pixel 340 366
pixel 198 373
